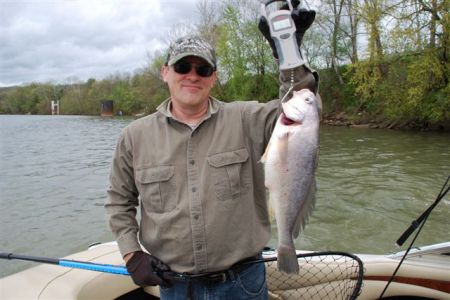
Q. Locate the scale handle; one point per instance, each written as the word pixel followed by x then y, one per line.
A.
pixel 291 8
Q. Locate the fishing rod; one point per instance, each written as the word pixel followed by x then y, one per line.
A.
pixel 122 270
pixel 75 264
pixel 419 223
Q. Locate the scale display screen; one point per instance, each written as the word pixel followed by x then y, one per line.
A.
pixel 281 23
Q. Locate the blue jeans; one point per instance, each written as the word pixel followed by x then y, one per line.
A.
pixel 248 284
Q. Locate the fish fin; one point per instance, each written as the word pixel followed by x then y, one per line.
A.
pixel 282 147
pixel 287 260
pixel 297 227
pixel 306 210
pixel 264 156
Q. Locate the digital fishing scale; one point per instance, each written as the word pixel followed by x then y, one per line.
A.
pixel 282 31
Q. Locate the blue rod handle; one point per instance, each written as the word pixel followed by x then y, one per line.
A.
pixel 112 269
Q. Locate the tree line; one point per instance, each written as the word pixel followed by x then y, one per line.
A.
pixel 381 59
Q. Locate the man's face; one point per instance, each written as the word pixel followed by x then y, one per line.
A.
pixel 188 90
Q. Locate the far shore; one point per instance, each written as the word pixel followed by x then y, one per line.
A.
pixel 363 122
pixel 334 119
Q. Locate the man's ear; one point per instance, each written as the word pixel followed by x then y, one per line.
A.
pixel 163 72
pixel 214 79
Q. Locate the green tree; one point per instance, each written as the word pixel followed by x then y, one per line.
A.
pixel 247 66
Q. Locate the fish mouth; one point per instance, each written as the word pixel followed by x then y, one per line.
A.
pixel 286 121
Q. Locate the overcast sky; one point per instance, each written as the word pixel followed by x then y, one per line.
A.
pixel 54 40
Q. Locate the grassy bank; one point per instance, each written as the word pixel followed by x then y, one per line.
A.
pixel 405 92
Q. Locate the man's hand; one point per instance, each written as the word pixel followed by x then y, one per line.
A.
pixel 144 269
pixel 302 18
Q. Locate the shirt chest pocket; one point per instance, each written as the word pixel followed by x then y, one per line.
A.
pixel 157 188
pixel 228 174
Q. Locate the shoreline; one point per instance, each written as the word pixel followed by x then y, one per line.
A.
pixel 363 122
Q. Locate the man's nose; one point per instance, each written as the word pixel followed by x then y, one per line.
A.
pixel 193 72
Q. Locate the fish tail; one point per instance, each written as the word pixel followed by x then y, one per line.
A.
pixel 287 260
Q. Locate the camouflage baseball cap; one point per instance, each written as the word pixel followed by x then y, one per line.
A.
pixel 191 46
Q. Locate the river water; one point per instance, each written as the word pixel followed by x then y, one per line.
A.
pixel 371 184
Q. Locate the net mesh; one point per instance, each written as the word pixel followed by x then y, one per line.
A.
pixel 326 275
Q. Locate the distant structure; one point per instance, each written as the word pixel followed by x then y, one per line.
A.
pixel 107 108
pixel 55 107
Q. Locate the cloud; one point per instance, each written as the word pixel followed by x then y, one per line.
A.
pixel 52 40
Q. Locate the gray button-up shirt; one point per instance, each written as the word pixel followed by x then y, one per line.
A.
pixel 200 191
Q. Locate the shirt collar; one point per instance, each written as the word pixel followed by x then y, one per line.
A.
pixel 213 108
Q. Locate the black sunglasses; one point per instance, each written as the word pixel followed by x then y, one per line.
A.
pixel 184 67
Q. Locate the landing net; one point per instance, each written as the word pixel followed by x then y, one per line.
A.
pixel 322 275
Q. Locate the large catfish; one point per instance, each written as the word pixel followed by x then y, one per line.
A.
pixel 290 162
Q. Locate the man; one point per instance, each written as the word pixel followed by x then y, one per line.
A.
pixel 193 168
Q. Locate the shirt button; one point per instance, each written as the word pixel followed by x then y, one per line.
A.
pixel 192 162
pixel 194 189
